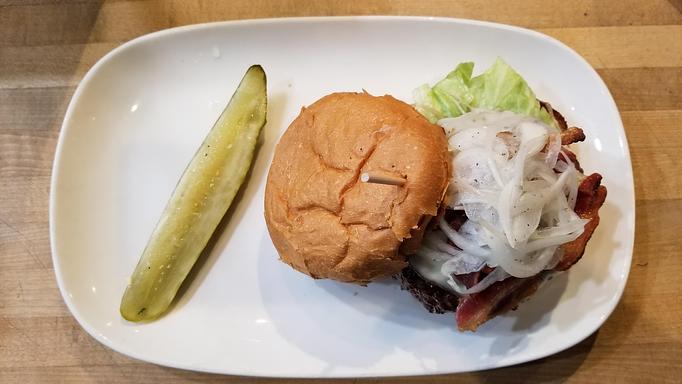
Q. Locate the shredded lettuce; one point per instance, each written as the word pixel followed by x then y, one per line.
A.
pixel 499 88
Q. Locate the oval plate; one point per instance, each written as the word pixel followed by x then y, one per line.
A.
pixel 140 113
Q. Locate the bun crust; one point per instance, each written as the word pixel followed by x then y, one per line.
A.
pixel 323 221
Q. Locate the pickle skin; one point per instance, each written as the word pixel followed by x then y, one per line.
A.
pixel 200 200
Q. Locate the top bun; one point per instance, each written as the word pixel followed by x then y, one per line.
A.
pixel 326 223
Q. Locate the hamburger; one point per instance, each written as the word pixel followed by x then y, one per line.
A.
pixel 470 198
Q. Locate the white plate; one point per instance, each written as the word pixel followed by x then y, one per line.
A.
pixel 140 113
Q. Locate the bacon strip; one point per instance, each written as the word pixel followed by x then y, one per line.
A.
pixel 591 196
pixel 568 135
pixel 572 135
pixel 505 295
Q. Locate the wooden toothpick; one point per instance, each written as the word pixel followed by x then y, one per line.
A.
pixel 369 177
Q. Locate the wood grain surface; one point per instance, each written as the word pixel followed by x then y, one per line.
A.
pixel 47 46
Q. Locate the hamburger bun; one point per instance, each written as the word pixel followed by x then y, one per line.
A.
pixel 323 221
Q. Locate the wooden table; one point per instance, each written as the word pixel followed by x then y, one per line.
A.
pixel 47 46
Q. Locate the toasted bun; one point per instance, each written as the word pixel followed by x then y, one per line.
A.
pixel 326 223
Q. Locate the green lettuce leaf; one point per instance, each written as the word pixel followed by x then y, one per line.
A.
pixel 498 88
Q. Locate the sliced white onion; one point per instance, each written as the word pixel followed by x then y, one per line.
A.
pixel 564 229
pixel 470 231
pixel 434 241
pixel 480 211
pixel 525 224
pixel 510 259
pixel 498 274
pixel 438 267
pixel 545 242
pixel 556 258
pixel 495 171
pixel 429 269
pixel 434 255
pixel 534 201
pixel 504 209
pixel 460 241
pixel 573 183
pixel 561 166
pixel 553 149
pixel 518 195
pixel 462 264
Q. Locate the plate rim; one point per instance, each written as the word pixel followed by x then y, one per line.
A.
pixel 92 71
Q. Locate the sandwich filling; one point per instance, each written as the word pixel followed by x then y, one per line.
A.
pixel 517 191
pixel 518 207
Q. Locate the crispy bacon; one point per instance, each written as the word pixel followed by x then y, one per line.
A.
pixel 568 135
pixel 505 295
pixel 572 135
pixel 591 196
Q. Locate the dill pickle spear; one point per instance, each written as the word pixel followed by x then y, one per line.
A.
pixel 200 200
